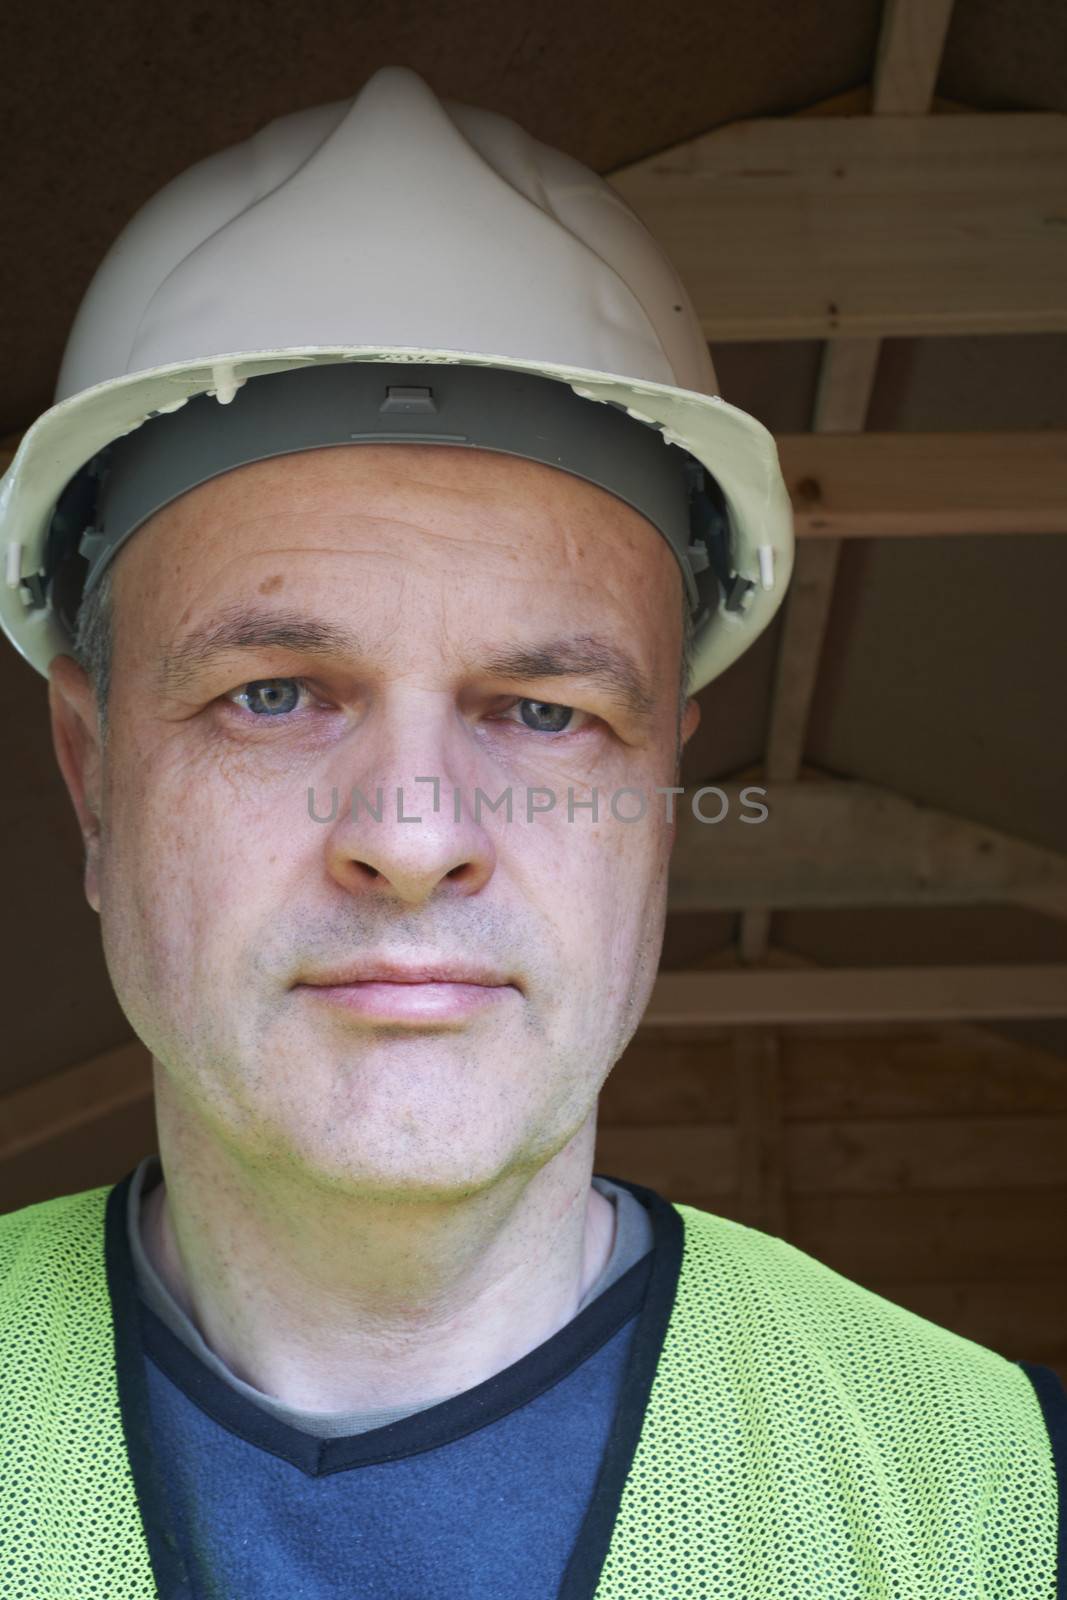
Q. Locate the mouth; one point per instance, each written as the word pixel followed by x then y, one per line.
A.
pixel 387 992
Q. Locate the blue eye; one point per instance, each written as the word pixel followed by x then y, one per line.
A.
pixel 557 716
pixel 270 697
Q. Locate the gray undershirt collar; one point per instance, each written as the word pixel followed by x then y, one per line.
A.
pixel 633 1238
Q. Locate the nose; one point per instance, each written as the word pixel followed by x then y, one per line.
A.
pixel 405 825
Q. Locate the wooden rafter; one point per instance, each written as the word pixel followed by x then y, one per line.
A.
pixel 909 51
pixel 761 1131
pixel 902 485
pixel 836 843
pixel 856 995
pixel 74 1098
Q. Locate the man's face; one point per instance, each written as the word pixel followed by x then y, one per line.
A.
pixel 365 592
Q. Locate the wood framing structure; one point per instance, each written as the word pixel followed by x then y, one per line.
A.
pixel 858 227
pixel 832 843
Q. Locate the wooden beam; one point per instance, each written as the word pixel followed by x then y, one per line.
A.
pixel 74 1098
pixel 799 653
pixel 906 485
pixel 1012 1317
pixel 846 379
pixel 1011 1234
pixel 865 1154
pixel 674 1159
pixel 835 843
pixel 761 1134
pixel 831 227
pixel 909 54
pixel 857 994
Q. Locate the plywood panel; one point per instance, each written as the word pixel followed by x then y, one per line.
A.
pixel 1025 1321
pixel 81 1157
pixel 926 1074
pixel 673 1161
pixel 669 1081
pixel 1010 1235
pixel 876 1156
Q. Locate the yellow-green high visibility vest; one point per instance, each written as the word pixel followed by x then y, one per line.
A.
pixel 798 1436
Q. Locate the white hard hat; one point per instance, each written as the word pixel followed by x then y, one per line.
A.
pixel 395 227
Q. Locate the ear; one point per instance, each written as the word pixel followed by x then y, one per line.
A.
pixel 688 725
pixel 690 721
pixel 77 741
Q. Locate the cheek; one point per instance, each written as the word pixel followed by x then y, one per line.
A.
pixel 607 883
pixel 189 866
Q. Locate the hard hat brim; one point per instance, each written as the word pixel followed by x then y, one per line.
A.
pixel 736 449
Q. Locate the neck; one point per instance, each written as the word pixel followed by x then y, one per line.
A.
pixel 337 1302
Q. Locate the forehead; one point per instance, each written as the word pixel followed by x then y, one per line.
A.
pixel 364 526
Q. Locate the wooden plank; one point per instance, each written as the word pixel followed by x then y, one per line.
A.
pixel 907 485
pixel 869 1157
pixel 799 654
pixel 836 843
pixel 909 51
pixel 667 1080
pixel 754 935
pixel 942 1073
pixel 73 1100
pixel 672 1160
pixel 80 1155
pixel 764 1160
pixel 1018 1319
pixel 1014 1236
pixel 761 1149
pixel 909 54
pixel 830 227
pixel 856 994
pixel 837 1073
pixel 846 382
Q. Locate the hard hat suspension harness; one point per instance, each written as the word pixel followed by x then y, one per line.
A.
pixel 518 413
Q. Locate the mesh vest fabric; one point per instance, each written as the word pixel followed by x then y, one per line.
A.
pixel 802 1438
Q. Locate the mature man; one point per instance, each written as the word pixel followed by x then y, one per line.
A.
pixel 359 594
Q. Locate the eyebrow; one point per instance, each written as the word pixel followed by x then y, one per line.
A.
pixel 565 656
pixel 580 656
pixel 252 630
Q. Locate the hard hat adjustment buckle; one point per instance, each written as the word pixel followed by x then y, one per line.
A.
pixel 408 398
pixel 710 546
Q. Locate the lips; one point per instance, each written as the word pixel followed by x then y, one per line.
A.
pixel 435 994
pixel 379 971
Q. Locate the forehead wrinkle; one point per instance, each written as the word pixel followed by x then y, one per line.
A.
pixel 513 523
